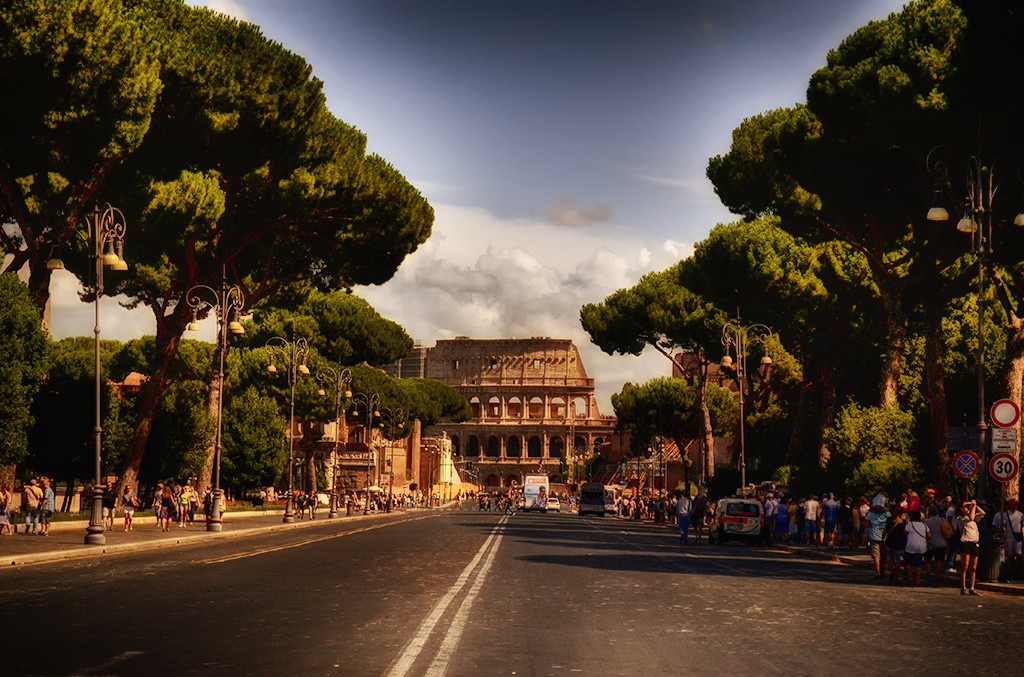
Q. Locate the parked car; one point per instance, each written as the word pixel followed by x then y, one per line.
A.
pixel 738 519
pixel 554 504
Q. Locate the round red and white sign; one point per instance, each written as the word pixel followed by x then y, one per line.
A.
pixel 1003 467
pixel 1005 413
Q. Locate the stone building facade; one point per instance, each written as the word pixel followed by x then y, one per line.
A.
pixel 534 408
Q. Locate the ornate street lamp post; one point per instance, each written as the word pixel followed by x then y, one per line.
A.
pixel 977 222
pixel 370 404
pixel 338 381
pixel 106 238
pixel 735 338
pixel 295 352
pixel 227 305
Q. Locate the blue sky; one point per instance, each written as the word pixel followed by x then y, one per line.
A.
pixel 562 143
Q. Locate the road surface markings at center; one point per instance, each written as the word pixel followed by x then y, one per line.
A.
pixel 415 647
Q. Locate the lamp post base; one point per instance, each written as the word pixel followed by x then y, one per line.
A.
pixel 289 514
pixel 214 522
pixel 334 506
pixel 94 532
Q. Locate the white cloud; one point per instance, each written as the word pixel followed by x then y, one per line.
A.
pixel 228 7
pixel 531 280
pixel 478 275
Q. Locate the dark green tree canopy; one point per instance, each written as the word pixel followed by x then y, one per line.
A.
pixel 23 353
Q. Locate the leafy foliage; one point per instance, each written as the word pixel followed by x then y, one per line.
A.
pixel 23 354
pixel 873 447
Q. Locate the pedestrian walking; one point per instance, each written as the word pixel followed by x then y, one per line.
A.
pixel 47 506
pixel 129 502
pixel 684 508
pixel 166 501
pixel 31 497
pixel 109 506
pixel 5 510
pixel 208 503
pixel 184 498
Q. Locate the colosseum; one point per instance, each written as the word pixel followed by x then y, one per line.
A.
pixel 529 398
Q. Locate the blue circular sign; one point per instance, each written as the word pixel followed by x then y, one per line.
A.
pixel 965 464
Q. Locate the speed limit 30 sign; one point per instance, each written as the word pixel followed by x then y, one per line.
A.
pixel 1003 467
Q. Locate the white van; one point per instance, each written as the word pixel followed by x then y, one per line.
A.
pixel 738 518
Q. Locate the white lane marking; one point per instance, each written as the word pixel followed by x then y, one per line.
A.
pixel 299 544
pixel 439 666
pixel 415 646
pixel 104 667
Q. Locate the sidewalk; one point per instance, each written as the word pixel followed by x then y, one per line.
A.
pixel 861 558
pixel 67 539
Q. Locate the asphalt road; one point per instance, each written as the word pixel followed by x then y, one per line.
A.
pixel 474 593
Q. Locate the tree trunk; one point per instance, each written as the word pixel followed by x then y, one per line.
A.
pixel 7 473
pixel 212 410
pixel 1014 387
pixel 149 401
pixel 705 425
pixel 896 323
pixel 309 453
pixel 935 387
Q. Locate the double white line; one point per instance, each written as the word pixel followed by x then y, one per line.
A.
pixel 439 664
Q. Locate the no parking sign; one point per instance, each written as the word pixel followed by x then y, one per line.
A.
pixel 965 464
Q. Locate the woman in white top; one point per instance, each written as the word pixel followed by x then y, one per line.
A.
pixel 969 549
pixel 917 545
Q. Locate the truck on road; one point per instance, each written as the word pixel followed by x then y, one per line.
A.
pixel 535 493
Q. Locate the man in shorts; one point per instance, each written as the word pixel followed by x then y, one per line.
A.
pixel 109 506
pixel 877 517
pixel 47 506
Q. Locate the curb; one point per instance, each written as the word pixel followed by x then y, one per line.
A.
pixel 84 551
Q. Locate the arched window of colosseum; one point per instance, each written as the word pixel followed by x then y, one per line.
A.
pixel 534 448
pixel 515 408
pixel 455 445
pixel 493 446
pixel 474 405
pixel 556 408
pixel 493 481
pixel 494 408
pixel 513 447
pixel 472 446
pixel 579 405
pixel 580 446
pixel 536 408
pixel 555 447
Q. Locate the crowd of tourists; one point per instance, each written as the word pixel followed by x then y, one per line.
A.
pixel 912 539
pixel 39 502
